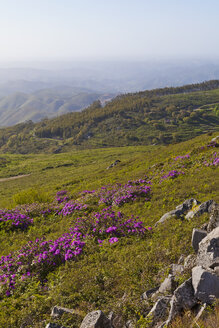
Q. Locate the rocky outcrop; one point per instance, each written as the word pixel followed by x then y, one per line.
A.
pixel 160 309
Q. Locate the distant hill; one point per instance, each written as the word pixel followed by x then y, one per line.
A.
pixel 19 107
pixel 160 116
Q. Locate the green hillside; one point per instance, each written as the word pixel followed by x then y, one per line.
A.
pixel 120 253
pixel 160 116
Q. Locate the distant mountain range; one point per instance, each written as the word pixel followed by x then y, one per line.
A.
pixel 20 107
pixel 33 93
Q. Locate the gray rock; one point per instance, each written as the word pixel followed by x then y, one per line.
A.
pixel 168 285
pixel 199 210
pixel 176 269
pixel 146 295
pixel 215 139
pixel 190 262
pixel 183 299
pixel 208 253
pixel 160 309
pixel 130 324
pixel 113 164
pixel 180 210
pixel 205 284
pixel 96 319
pixel 214 218
pixel 58 311
pixel 54 325
pixel 197 236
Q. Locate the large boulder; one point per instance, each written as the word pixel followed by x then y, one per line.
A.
pixel 180 210
pixel 208 253
pixel 205 284
pixel 96 319
pixel 197 236
pixel 182 299
pixel 199 210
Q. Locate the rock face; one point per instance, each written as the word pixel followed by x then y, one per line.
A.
pixel 208 253
pixel 197 236
pixel 96 319
pixel 205 284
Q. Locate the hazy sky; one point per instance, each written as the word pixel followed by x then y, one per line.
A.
pixel 108 29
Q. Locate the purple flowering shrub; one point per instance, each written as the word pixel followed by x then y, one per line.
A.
pixel 213 160
pixel 171 175
pixel 121 194
pixel 38 258
pixel 13 219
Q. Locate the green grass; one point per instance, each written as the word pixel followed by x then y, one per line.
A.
pixel 112 277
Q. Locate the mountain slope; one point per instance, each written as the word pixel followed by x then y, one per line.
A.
pixel 160 116
pixel 20 107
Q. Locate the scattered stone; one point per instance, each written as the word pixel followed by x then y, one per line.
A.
pixel 208 253
pixel 214 218
pixel 197 236
pixel 190 262
pixel 176 269
pixel 54 325
pixel 215 139
pixel 160 309
pixel 129 324
pixel 113 164
pixel 181 259
pixel 146 295
pixel 96 319
pixel 58 311
pixel 205 284
pixel 183 299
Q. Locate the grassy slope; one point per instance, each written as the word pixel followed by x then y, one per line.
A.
pixel 112 277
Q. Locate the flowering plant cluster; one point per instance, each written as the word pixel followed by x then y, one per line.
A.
pixel 71 207
pixel 39 257
pixel 214 160
pixel 121 194
pixel 171 175
pixel 181 157
pixel 61 196
pixel 13 219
